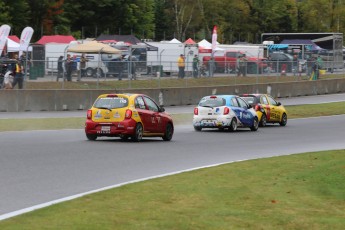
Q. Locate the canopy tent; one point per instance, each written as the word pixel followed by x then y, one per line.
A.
pixel 174 41
pixel 94 47
pixel 65 39
pixel 189 41
pixel 309 44
pixel 13 46
pixel 206 47
pixel 14 38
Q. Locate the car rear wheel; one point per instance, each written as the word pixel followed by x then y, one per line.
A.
pixel 263 120
pixel 197 128
pixel 283 121
pixel 138 135
pixel 124 137
pixel 91 137
pixel 233 125
pixel 255 124
pixel 169 131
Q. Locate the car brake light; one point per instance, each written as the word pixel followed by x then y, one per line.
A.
pixel 196 111
pixel 89 114
pixel 213 97
pixel 258 108
pixel 128 114
pixel 226 110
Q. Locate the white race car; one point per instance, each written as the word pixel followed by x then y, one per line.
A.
pixel 224 111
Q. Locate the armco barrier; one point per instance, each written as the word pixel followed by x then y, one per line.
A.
pixel 59 100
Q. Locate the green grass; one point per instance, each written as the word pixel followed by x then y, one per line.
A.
pixel 297 111
pixel 302 191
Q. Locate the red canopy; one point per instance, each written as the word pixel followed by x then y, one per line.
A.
pixel 56 39
pixel 14 38
pixel 189 41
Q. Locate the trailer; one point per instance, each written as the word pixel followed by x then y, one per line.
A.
pixel 164 59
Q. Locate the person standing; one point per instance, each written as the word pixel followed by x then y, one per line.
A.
pixel 18 70
pixel 60 69
pixel 243 66
pixel 69 67
pixel 195 66
pixel 83 61
pixel 181 65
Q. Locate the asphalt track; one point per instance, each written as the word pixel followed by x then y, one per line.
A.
pixel 38 168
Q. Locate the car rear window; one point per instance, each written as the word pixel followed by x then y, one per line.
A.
pixel 111 102
pixel 212 102
pixel 249 100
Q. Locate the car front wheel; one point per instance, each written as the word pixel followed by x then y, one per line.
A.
pixel 283 121
pixel 138 135
pixel 169 131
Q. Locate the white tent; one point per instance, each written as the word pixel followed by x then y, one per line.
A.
pixel 205 44
pixel 174 41
pixel 13 46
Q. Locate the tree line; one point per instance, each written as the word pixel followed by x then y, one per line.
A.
pixel 237 20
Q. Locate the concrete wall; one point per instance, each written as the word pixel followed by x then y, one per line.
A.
pixel 59 100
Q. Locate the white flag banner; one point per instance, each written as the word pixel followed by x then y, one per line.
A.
pixel 4 32
pixel 214 39
pixel 25 38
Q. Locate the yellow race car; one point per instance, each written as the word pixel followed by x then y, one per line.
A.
pixel 267 108
pixel 128 116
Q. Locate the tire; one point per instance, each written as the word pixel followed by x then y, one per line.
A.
pixel 255 125
pixel 169 131
pixel 89 72
pixel 91 137
pixel 197 128
pixel 233 125
pixel 99 72
pixel 263 120
pixel 138 135
pixel 283 121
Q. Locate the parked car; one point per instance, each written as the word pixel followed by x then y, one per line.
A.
pixel 128 116
pixel 281 61
pixel 267 109
pixel 224 111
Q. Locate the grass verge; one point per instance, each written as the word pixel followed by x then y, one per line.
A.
pixel 296 111
pixel 305 191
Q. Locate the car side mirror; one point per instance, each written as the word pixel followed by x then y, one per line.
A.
pixel 161 109
pixel 278 103
pixel 250 106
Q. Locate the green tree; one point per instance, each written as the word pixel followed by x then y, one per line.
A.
pixel 17 15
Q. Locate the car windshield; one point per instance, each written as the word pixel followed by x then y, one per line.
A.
pixel 111 102
pixel 249 100
pixel 212 102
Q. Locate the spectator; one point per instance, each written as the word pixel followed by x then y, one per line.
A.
pixel 181 66
pixel 18 73
pixel 133 64
pixel 119 67
pixel 195 66
pixel 60 68
pixel 83 61
pixel 69 67
pixel 242 66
